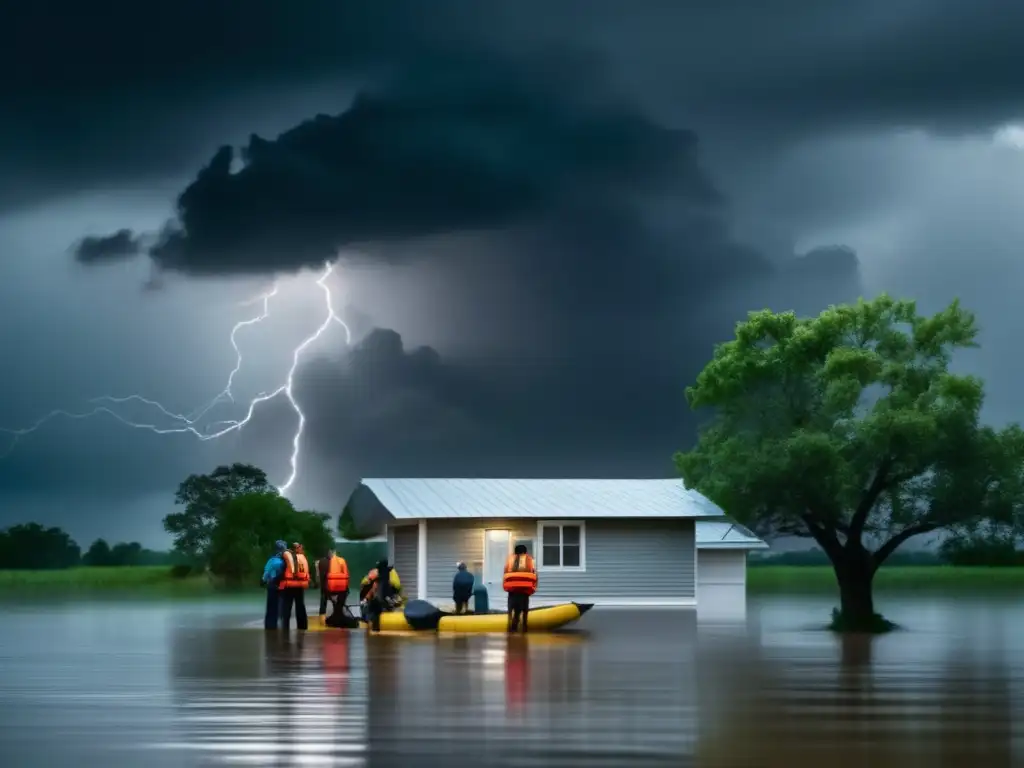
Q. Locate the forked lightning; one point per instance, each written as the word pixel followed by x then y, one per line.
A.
pixel 189 423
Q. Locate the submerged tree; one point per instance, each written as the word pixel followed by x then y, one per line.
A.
pixel 204 497
pixel 247 527
pixel 849 428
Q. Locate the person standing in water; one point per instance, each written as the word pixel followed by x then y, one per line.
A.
pixel 272 573
pixel 334 580
pixel 294 584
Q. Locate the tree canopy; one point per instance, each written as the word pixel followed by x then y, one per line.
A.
pixel 850 428
pixel 203 497
pixel 124 553
pixel 247 527
pixel 33 546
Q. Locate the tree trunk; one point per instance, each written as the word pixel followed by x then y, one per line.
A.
pixel 856 600
pixel 855 576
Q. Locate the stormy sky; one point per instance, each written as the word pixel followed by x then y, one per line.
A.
pixel 542 217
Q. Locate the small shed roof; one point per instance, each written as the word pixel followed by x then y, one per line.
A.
pixel 448 498
pixel 721 534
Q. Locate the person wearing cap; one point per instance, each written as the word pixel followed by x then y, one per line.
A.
pixel 272 573
pixel 462 588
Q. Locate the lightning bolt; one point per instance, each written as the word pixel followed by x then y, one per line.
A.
pixel 187 423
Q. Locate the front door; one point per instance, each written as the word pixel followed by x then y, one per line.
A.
pixel 496 548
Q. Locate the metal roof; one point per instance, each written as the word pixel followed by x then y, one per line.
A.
pixel 715 534
pixel 443 498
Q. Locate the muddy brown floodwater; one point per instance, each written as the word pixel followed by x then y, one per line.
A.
pixel 186 684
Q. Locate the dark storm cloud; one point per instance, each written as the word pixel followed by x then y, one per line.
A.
pixel 612 240
pixel 765 70
pixel 452 145
pixel 123 244
pixel 614 246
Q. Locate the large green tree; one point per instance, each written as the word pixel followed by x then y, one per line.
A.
pixel 247 527
pixel 203 497
pixel 850 429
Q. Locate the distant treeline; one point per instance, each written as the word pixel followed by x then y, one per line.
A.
pixel 31 546
pixel 990 551
pixel 817 557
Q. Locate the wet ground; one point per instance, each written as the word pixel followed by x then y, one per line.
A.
pixel 183 684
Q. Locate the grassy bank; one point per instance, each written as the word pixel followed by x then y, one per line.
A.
pixel 127 578
pixel 921 578
pixel 794 579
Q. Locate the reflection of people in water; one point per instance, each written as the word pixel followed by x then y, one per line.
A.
pixel 384 715
pixel 336 661
pixel 517 672
pixel 284 658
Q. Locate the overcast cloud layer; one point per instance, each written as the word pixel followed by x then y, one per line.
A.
pixel 546 217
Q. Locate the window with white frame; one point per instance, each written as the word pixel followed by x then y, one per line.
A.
pixel 562 545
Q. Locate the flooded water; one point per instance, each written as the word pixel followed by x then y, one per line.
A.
pixel 185 684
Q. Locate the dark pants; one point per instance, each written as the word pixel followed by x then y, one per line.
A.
pixel 273 612
pixel 373 611
pixel 338 598
pixel 518 608
pixel 294 596
pixel 461 606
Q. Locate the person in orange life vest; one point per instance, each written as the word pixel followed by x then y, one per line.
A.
pixel 294 583
pixel 520 581
pixel 333 573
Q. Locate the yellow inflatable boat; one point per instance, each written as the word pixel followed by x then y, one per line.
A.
pixel 420 617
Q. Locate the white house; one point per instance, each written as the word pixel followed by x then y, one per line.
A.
pixel 607 542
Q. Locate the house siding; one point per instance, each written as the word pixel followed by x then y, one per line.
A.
pixel 403 546
pixel 662 550
pixel 726 567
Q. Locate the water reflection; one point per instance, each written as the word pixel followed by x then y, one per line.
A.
pixel 899 700
pixel 172 685
pixel 303 706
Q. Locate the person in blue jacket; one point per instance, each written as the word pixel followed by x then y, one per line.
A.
pixel 272 573
pixel 462 588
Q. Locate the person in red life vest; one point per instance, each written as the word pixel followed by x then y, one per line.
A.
pixel 520 581
pixel 334 580
pixel 294 583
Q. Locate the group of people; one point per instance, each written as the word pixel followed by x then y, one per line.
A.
pixel 287 576
pixel 519 582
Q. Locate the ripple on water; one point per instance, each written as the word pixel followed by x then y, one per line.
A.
pixel 181 685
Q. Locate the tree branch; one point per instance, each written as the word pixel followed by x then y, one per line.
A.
pixel 868 500
pixel 824 536
pixel 883 552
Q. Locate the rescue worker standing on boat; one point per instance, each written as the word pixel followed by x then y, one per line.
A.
pixel 520 581
pixel 294 583
pixel 333 572
pixel 272 573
